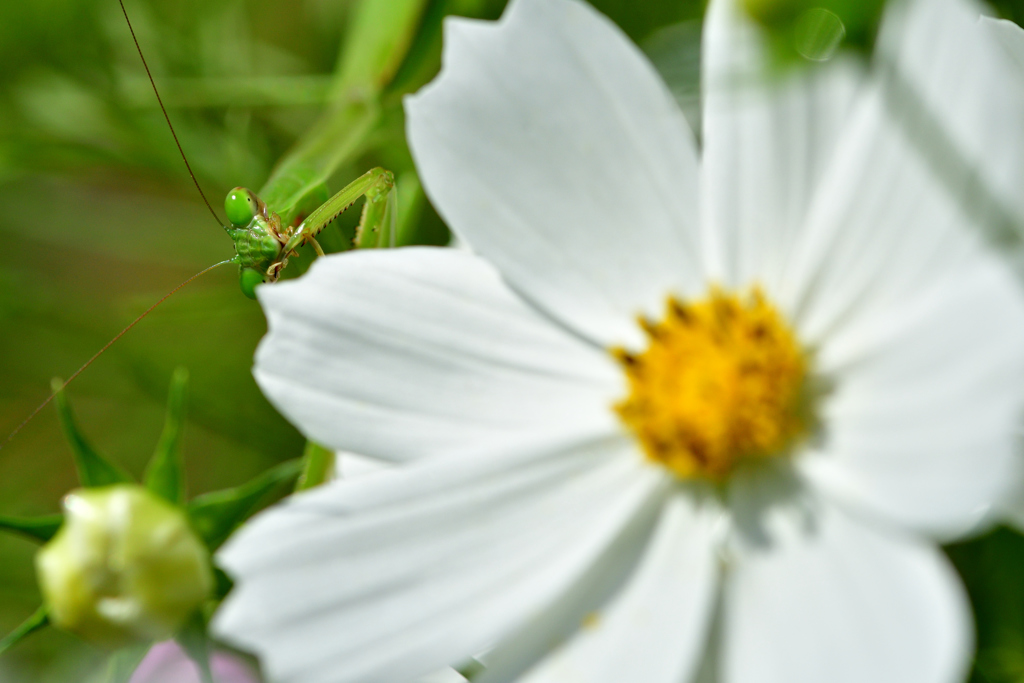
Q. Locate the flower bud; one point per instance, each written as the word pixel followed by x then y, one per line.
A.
pixel 124 566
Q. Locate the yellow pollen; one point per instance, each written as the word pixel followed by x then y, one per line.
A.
pixel 721 381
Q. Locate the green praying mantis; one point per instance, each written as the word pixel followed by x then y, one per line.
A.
pixel 386 52
pixel 263 243
pixel 263 240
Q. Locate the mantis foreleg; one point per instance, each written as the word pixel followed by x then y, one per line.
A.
pixel 378 223
pixel 378 214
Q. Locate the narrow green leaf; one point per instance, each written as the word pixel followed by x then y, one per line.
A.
pixel 380 35
pixel 336 138
pixel 378 39
pixel 123 663
pixel 35 622
pixel 215 515
pixel 317 466
pixel 37 528
pixel 165 475
pixel 230 91
pixel 93 468
pixel 194 641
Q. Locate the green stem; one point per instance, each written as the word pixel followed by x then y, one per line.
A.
pixel 317 467
pixel 194 641
pixel 123 663
pixel 38 620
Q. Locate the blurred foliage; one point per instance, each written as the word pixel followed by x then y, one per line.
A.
pixel 992 567
pixel 1009 9
pixel 801 29
pixel 790 21
pixel 101 220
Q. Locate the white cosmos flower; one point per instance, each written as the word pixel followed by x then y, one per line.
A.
pixel 576 500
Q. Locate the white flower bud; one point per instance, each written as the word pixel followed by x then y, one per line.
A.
pixel 125 565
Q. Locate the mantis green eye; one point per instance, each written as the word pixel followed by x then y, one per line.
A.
pixel 248 278
pixel 241 206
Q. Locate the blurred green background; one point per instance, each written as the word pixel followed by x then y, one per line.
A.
pixel 100 219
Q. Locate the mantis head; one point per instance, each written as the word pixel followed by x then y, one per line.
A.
pixel 259 240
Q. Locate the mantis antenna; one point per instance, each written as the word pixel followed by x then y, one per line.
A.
pixel 106 346
pixel 166 117
pixel 149 310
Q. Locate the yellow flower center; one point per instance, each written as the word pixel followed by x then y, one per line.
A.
pixel 721 381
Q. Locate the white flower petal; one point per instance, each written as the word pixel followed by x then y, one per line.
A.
pixel 399 574
pixel 444 676
pixel 919 328
pixel 950 70
pixel 349 465
pixel 1010 36
pixel 902 206
pixel 918 325
pixel 924 430
pixel 655 629
pixel 824 597
pixel 551 146
pixel 767 141
pixel 424 351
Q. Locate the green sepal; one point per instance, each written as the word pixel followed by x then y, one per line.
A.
pixel 215 515
pixel 123 663
pixel 193 640
pixel 93 468
pixel 38 620
pixel 36 528
pixel 317 466
pixel 165 474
